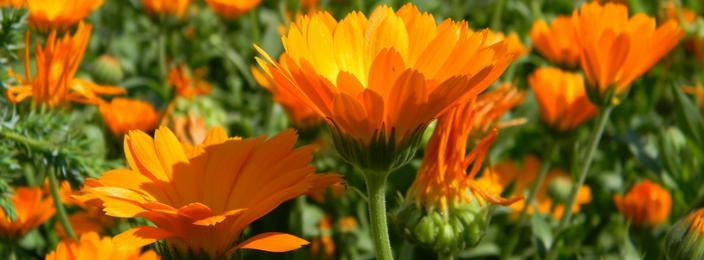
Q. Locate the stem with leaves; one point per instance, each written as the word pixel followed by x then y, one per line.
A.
pixel 603 118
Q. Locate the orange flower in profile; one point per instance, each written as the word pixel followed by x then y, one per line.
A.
pixel 301 116
pixel 645 204
pixel 59 14
pixel 507 174
pixel 200 198
pixel 91 246
pixel 56 65
pixel 122 115
pixel 617 49
pixel 32 208
pixel 379 81
pixel 563 101
pixel 557 42
pixel 685 238
pixel 169 7
pixel 185 85
pixel 230 9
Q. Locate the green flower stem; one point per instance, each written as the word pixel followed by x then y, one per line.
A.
pixel 498 13
pixel 594 139
pixel 376 191
pixel 256 34
pixel 445 257
pixel 60 210
pixel 549 153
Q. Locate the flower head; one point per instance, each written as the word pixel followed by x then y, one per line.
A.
pixel 187 86
pixel 506 174
pixel 557 42
pixel 59 14
pixel 230 9
pixel 684 240
pixel 56 65
pixel 379 81
pixel 91 246
pixel 616 49
pixel 563 101
pixel 32 208
pixel 123 115
pixel 200 198
pixel 12 3
pixel 445 191
pixel 301 116
pixel 645 204
pixel 169 7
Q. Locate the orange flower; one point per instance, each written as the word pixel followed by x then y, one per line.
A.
pixel 684 239
pixel 615 49
pixel 12 3
pixel 91 246
pixel 558 42
pixel 443 179
pixel 32 208
pixel 323 247
pixel 59 14
pixel 123 115
pixel 645 204
pixel 200 198
pixel 564 104
pixel 698 92
pixel 185 85
pixel 513 43
pixel 490 106
pixel 301 116
pixel 230 9
pixel 506 173
pixel 89 219
pixel 169 7
pixel 56 65
pixel 384 77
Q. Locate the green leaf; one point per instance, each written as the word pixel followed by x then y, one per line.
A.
pixel 690 117
pixel 541 234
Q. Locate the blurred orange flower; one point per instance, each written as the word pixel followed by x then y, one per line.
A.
pixel 694 44
pixel 230 9
pixel 122 115
pixel 386 76
pixel 12 3
pixel 187 86
pixel 323 247
pixel 45 15
pixel 91 246
pixel 200 198
pixel 507 173
pixel 169 7
pixel 645 204
pixel 617 49
pixel 32 208
pixel 564 104
pixel 56 65
pixel 698 92
pixel 443 179
pixel 301 116
pixel 557 42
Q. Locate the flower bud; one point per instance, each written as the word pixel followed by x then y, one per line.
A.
pixel 559 188
pixel 107 70
pixel 684 240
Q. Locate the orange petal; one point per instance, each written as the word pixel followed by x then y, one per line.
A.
pixel 273 242
pixel 140 236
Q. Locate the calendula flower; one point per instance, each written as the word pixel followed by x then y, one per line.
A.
pixel 187 86
pixel 200 198
pixel 91 246
pixel 446 185
pixel 323 247
pixel 379 81
pixel 491 106
pixel 300 115
pixel 616 49
pixel 230 9
pixel 507 174
pixel 59 14
pixel 32 208
pixel 12 3
pixel 514 43
pixel 90 217
pixel 557 42
pixel 694 44
pixel 56 65
pixel 645 204
pixel 563 101
pixel 168 7
pixel 122 115
pixel 684 240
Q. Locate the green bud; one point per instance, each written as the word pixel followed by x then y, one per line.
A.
pixel 426 231
pixel 107 70
pixel 686 238
pixel 559 188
